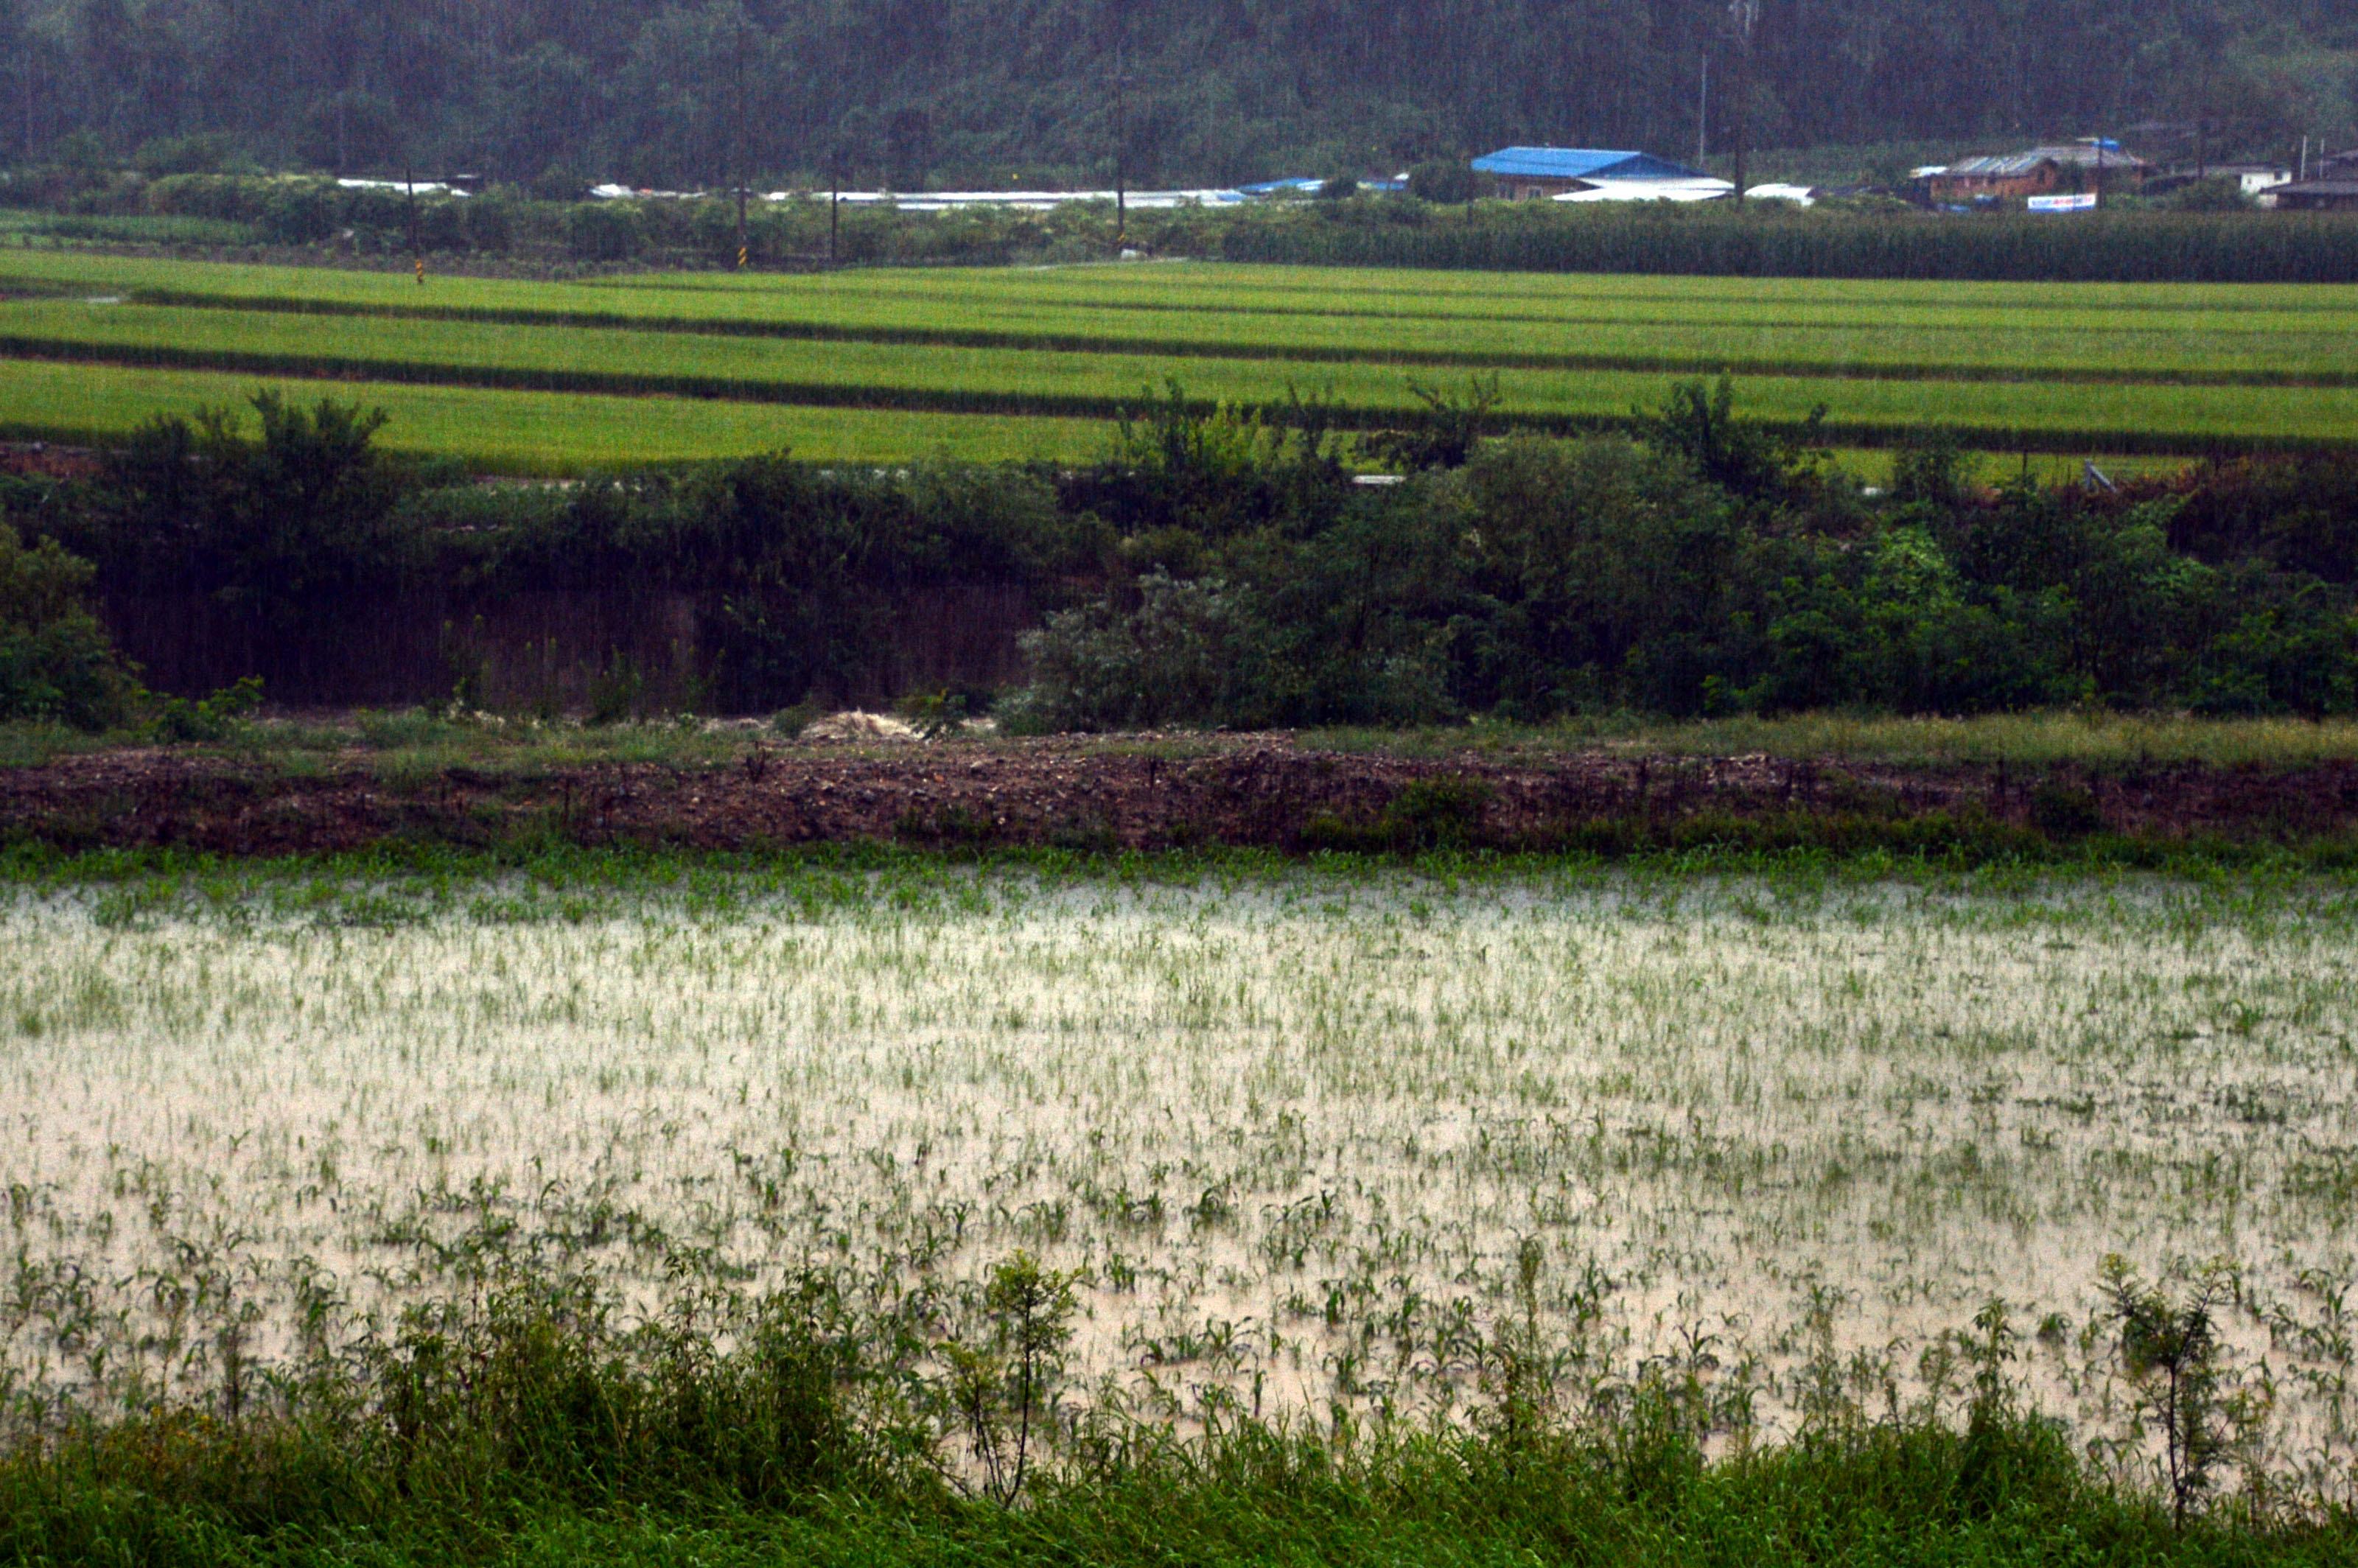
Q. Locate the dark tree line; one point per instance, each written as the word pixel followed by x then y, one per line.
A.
pixel 989 90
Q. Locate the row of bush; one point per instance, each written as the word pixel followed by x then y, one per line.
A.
pixel 1765 239
pixel 1709 568
pixel 1227 569
pixel 514 221
pixel 1776 240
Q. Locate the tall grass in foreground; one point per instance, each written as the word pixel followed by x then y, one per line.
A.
pixel 532 1419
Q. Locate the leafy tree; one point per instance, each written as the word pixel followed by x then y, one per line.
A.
pixel 1753 460
pixel 56 663
pixel 1449 181
pixel 300 512
pixel 974 91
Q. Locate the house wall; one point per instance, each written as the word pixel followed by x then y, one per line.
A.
pixel 1533 187
pixel 2044 180
pixel 2315 201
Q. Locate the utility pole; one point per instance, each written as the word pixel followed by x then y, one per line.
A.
pixel 1120 146
pixel 25 84
pixel 737 149
pixel 416 250
pixel 1743 15
pixel 1703 113
pixel 2203 120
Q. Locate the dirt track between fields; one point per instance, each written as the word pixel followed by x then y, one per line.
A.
pixel 1246 790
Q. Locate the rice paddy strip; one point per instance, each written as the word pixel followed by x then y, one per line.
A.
pixel 2121 371
pixel 528 433
pixel 1177 314
pixel 2107 417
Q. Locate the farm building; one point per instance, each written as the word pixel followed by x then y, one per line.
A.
pixel 2339 195
pixel 2252 177
pixel 1527 174
pixel 2041 171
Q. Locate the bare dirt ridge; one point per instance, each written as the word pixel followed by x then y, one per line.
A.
pixel 1261 791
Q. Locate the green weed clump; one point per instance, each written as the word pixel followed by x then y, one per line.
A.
pixel 531 1414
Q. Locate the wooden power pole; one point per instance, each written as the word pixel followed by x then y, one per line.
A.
pixel 1743 17
pixel 1120 146
pixel 737 149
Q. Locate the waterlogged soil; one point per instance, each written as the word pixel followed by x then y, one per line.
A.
pixel 1267 791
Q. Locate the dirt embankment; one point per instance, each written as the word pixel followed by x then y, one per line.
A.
pixel 1256 791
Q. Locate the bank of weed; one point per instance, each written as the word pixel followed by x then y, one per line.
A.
pixel 531 1420
pixel 410 745
pixel 1914 1497
pixel 2106 742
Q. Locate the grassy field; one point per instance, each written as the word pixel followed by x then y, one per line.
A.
pixel 2065 369
pixel 539 433
pixel 1037 382
pixel 1331 1171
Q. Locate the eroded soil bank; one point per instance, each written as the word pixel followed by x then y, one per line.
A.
pixel 1258 791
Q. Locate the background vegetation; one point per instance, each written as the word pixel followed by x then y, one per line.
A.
pixel 2186 237
pixel 969 94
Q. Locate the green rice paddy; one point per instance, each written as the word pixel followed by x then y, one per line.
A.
pixel 892 365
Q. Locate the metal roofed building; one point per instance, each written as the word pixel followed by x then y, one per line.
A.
pixel 2336 195
pixel 1529 173
pixel 2041 171
pixel 1609 190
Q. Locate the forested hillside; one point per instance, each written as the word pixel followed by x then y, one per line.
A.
pixel 987 91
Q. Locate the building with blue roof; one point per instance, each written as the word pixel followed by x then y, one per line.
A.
pixel 1532 173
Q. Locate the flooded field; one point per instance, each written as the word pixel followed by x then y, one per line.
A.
pixel 1315 1141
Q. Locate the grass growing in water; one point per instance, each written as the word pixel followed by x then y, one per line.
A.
pixel 608 1205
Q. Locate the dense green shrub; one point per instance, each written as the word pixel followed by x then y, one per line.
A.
pixel 2218 195
pixel 298 513
pixel 56 663
pixel 230 198
pixel 1451 181
pixel 299 212
pixel 605 231
pixel 1710 566
pixel 202 152
pixel 1221 566
pixel 1187 651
